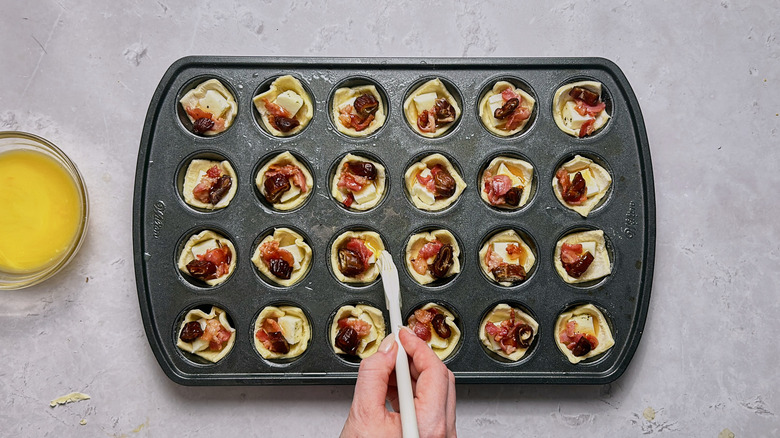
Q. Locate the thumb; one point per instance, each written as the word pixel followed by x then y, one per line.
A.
pixel 374 375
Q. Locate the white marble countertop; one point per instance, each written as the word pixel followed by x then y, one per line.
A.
pixel 82 73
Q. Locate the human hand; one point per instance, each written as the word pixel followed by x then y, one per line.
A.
pixel 433 386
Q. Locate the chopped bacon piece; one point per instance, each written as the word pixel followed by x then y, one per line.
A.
pixel 350 119
pixel 420 265
pixel 591 110
pixel 423 331
pixel 275 110
pixel 361 327
pixel 201 191
pixel 570 253
pixel 351 181
pixel 492 329
pixel 213 186
pixel 514 251
pixel 587 127
pixel 197 113
pixel 570 336
pixel 496 187
pixel 292 172
pixel 424 316
pixel 573 192
pixel 359 247
pixel 430 249
pixel 220 257
pixel 492 259
pixel 359 124
pixel 270 250
pixel 520 115
pixel 426 121
pixel 271 325
pixel 215 334
pixel 214 172
pixel 506 333
pixel 509 93
pixel 348 200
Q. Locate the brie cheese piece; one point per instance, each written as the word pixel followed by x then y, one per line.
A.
pixel 424 102
pixel 290 101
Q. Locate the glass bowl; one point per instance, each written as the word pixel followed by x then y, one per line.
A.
pixel 13 141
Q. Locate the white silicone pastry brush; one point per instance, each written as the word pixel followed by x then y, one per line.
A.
pixel 403 379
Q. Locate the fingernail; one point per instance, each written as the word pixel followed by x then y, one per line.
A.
pixel 387 343
pixel 405 328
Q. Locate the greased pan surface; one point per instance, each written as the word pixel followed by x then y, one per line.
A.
pixel 162 221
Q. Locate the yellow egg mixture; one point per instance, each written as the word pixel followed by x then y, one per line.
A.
pixel 40 211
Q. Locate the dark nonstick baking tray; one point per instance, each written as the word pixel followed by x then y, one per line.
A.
pixel 162 221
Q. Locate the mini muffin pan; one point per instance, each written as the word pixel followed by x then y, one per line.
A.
pixel 162 221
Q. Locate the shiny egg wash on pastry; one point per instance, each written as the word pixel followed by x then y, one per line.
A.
pixel 284 257
pixel 507 331
pixel 506 182
pixel 281 332
pixel 358 111
pixel 284 182
pixel 208 257
pixel 506 258
pixel 431 110
pixel 431 256
pixel 578 109
pixel 433 183
pixel 580 184
pixel 359 183
pixel 357 330
pixel 582 333
pixel 208 335
pixel 436 326
pixel 505 110
pixel 286 108
pixel 210 107
pixel 209 184
pixel 353 256
pixel 581 257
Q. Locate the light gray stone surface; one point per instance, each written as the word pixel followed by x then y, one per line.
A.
pixel 81 73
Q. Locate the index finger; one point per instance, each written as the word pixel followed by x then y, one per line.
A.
pixel 423 358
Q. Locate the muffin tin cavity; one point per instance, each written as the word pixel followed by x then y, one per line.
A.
pixel 281 333
pixel 356 115
pixel 526 97
pixel 561 96
pixel 206 257
pixel 191 173
pixel 295 94
pixel 504 195
pixel 272 251
pixel 353 255
pixel 358 181
pixel 216 94
pixel 595 170
pixel 441 266
pixel 590 243
pixel 597 323
pixel 415 100
pixel 494 309
pixel 366 340
pixel 503 242
pixel 164 221
pixel 433 182
pixel 197 351
pixel 284 177
pixel 439 325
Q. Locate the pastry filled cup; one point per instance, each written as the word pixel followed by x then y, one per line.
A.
pixel 45 210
